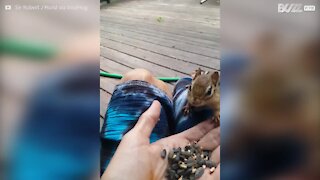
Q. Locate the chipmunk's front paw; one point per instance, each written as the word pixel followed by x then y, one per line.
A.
pixel 216 118
pixel 186 110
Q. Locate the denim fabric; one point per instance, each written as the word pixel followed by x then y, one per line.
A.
pixel 131 99
pixel 128 102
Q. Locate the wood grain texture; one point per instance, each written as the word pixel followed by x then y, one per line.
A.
pixel 166 37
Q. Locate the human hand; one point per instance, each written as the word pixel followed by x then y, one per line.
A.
pixel 211 141
pixel 136 158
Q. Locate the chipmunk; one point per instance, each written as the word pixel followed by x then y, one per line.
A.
pixel 204 91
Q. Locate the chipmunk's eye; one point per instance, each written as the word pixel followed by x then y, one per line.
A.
pixel 209 91
pixel 189 88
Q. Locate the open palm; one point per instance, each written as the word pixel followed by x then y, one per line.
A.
pixel 136 158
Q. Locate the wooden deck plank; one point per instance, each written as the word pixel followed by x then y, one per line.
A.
pixel 160 58
pixel 164 42
pixel 165 50
pixel 209 39
pixel 177 9
pixel 137 62
pixel 108 84
pixel 171 32
pixel 186 38
pixel 210 27
pixel 166 35
pixel 111 66
pixel 159 64
pixel 162 35
pixel 195 16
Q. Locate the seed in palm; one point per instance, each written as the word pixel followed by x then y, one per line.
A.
pixel 189 162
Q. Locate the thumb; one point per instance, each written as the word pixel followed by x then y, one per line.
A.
pixel 148 119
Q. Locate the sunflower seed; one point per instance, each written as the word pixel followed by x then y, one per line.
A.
pixel 163 153
pixel 176 157
pixel 180 172
pixel 176 176
pixel 209 164
pixel 192 177
pixel 175 166
pixel 187 172
pixel 186 153
pixel 205 153
pixel 187 163
pixel 201 162
pixel 212 170
pixel 170 155
pixel 183 165
pixel 194 170
pixel 199 172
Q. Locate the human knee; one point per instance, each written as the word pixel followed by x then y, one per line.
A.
pixel 138 74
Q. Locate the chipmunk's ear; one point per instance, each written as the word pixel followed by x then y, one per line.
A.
pixel 215 77
pixel 196 73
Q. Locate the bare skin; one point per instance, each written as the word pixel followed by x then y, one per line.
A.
pixel 144 75
pixel 136 158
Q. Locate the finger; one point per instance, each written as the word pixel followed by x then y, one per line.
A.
pixel 148 119
pixel 215 155
pixel 170 142
pixel 216 173
pixel 197 132
pixel 190 135
pixel 211 140
pixel 208 175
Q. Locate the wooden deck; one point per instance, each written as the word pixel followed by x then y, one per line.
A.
pixel 166 37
